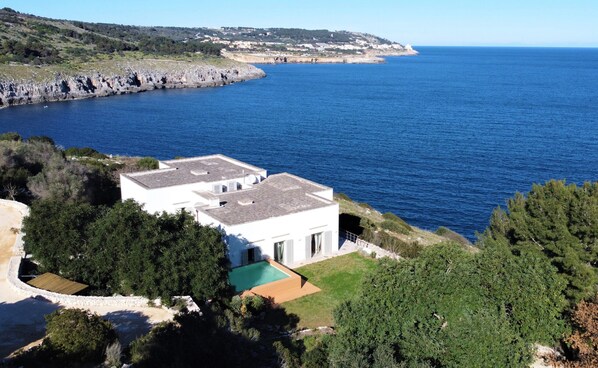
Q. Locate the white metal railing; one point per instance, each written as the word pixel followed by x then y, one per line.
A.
pixel 367 246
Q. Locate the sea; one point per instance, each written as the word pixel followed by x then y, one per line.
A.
pixel 440 139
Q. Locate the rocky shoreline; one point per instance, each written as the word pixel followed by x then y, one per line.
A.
pixel 286 58
pixel 122 78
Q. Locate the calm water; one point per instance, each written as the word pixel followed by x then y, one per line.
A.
pixel 439 139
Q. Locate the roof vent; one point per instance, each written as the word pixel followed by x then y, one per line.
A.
pixel 199 172
pixel 246 201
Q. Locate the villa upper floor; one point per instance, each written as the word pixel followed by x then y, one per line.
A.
pixel 223 191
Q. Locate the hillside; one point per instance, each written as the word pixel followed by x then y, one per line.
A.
pixel 389 231
pixel 44 60
pixel 36 40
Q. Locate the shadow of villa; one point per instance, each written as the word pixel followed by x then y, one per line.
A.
pixel 129 325
pixel 22 323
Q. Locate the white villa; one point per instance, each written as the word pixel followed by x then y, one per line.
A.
pixel 282 217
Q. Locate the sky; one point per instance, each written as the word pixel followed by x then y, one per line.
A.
pixel 546 23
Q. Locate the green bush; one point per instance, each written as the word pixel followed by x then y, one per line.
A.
pixel 392 217
pixel 10 136
pixel 395 245
pixel 453 236
pixel 560 221
pixel 394 226
pixel 147 163
pixel 127 250
pixel 75 335
pixel 366 206
pixel 84 152
pixel 342 196
pixel 450 308
pixel 41 138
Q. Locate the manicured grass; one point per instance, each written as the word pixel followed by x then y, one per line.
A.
pixel 339 278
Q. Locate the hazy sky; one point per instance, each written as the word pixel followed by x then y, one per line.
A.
pixel 418 22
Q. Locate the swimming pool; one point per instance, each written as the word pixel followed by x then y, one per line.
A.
pixel 256 274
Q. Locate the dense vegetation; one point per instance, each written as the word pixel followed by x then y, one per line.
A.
pixel 561 222
pixel 247 332
pixel 36 168
pixel 74 337
pixel 125 250
pixel 532 279
pixel 35 40
pixel 450 308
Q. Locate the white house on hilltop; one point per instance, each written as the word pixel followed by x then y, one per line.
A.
pixel 283 217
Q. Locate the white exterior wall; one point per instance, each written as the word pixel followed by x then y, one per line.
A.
pixel 169 199
pixel 265 233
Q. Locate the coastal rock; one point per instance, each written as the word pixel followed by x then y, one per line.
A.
pixel 130 79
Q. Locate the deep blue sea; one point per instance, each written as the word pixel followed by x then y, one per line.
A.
pixel 440 139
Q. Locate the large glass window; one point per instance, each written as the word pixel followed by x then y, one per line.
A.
pixel 279 251
pixel 316 244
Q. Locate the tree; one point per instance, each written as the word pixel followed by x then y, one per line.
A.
pixel 122 243
pixel 527 287
pixel 75 335
pixel 66 181
pixel 56 235
pixel 196 262
pixel 561 221
pixel 450 308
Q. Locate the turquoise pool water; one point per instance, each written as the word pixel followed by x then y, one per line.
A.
pixel 260 273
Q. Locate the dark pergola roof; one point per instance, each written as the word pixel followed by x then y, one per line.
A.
pixel 51 282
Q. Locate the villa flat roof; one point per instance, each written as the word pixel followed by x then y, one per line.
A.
pixel 204 169
pixel 277 195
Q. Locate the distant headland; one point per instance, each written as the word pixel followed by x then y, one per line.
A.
pixel 44 60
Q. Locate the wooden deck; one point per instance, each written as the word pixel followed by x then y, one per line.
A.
pixel 283 290
pixel 51 282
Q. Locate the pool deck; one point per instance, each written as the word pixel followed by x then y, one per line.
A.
pixel 281 291
pixel 295 287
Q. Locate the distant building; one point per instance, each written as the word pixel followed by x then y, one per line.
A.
pixel 283 217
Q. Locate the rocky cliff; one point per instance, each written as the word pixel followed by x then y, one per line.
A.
pixel 115 78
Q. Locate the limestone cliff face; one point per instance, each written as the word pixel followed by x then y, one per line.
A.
pixel 131 79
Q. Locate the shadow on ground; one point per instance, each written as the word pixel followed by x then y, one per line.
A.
pixel 22 323
pixel 129 324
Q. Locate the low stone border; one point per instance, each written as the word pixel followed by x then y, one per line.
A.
pixel 27 290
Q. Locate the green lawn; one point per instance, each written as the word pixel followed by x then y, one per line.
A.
pixel 339 278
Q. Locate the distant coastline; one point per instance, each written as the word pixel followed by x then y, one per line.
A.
pixel 110 78
pixel 287 58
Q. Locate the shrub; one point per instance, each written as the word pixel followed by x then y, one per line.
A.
pixel 11 136
pixel 84 152
pixel 449 308
pixel 365 205
pixel 395 245
pixel 342 196
pixel 451 235
pixel 41 138
pixel 147 163
pixel 560 220
pixel 75 335
pixel 395 227
pixel 392 217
